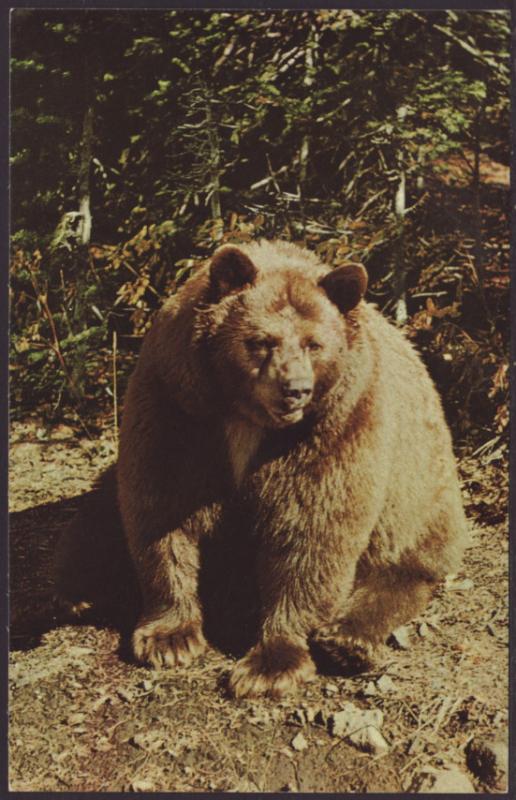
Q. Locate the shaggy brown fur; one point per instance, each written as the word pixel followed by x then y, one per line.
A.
pixel 268 382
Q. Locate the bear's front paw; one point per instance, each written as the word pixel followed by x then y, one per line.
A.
pixel 162 643
pixel 274 668
pixel 352 653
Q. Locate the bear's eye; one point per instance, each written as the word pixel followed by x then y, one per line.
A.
pixel 258 343
pixel 313 345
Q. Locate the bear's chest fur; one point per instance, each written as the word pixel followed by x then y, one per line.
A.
pixel 243 439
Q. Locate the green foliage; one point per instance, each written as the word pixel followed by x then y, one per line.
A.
pixel 213 126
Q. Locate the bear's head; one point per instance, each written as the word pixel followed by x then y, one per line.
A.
pixel 277 328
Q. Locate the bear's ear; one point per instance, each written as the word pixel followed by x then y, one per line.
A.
pixel 230 270
pixel 345 286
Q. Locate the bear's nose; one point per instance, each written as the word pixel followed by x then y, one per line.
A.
pixel 296 391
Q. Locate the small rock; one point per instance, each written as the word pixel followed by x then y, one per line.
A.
pixel 369 739
pixel 369 690
pixel 385 684
pixel 488 760
pixel 352 718
pixel 140 785
pixel 400 638
pixel 299 743
pixel 330 689
pixel 446 781
pixel 147 685
pixel 455 585
pixel 422 629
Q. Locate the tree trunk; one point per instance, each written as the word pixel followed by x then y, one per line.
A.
pixel 310 50
pixel 400 272
pixel 304 152
pixel 476 186
pixel 477 212
pixel 86 155
pixel 215 167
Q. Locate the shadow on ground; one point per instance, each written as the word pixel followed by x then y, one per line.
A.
pixel 75 549
pixel 33 535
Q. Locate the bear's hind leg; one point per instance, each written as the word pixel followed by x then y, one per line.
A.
pixel 382 600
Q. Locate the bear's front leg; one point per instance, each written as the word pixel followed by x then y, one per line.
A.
pixel 294 603
pixel 166 494
pixel 169 632
pixel 310 546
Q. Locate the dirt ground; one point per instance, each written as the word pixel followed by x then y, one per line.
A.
pixel 84 718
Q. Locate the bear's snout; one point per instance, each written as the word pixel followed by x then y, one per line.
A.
pixel 296 392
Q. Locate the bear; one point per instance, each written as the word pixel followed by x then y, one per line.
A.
pixel 274 409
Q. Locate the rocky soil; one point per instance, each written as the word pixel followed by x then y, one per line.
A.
pixel 84 718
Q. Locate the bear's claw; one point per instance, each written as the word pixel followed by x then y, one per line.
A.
pixel 274 668
pixel 352 653
pixel 160 644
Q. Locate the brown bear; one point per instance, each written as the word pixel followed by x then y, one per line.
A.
pixel 267 382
